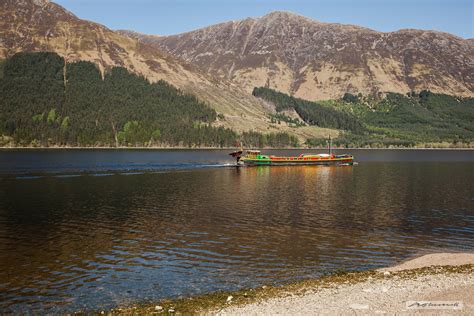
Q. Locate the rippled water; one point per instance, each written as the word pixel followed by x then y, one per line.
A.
pixel 95 229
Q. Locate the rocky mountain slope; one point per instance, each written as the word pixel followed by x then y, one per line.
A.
pixel 41 25
pixel 315 60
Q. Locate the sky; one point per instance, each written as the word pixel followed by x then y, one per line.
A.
pixel 165 17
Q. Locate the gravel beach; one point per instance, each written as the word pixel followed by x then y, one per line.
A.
pixel 416 286
pixel 431 284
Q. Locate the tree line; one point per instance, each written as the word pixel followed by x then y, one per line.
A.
pixel 45 101
pixel 312 113
pixel 384 119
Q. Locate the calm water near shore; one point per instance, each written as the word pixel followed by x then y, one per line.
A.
pixel 93 229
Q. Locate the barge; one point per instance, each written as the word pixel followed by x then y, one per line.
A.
pixel 256 158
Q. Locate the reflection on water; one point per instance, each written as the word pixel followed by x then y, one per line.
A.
pixel 68 243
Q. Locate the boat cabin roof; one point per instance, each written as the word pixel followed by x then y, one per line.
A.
pixel 253 151
pixel 315 155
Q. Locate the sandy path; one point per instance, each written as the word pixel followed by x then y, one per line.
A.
pixel 387 294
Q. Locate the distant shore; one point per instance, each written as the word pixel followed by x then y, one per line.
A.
pixel 400 289
pixel 229 148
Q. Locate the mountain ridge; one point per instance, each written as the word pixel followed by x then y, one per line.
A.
pixel 319 60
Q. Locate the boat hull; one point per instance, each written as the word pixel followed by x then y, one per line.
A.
pixel 295 161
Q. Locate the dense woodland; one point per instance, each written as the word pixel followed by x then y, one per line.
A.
pixel 46 102
pixel 312 113
pixel 381 120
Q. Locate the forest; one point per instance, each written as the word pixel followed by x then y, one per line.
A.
pixel 312 113
pixel 385 119
pixel 46 102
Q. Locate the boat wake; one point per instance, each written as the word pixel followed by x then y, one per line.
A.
pixel 112 170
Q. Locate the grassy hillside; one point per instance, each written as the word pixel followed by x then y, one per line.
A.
pixel 47 102
pixel 385 120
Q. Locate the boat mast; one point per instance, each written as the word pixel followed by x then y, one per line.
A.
pixel 329 145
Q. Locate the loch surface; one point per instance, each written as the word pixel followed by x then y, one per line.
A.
pixel 94 229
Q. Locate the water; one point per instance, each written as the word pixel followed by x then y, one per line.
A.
pixel 95 229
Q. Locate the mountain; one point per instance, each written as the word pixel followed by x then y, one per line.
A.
pixel 215 70
pixel 41 25
pixel 316 60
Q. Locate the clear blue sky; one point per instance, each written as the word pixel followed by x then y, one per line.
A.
pixel 166 17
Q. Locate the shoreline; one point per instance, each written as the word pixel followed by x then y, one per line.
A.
pixel 436 277
pixel 228 148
